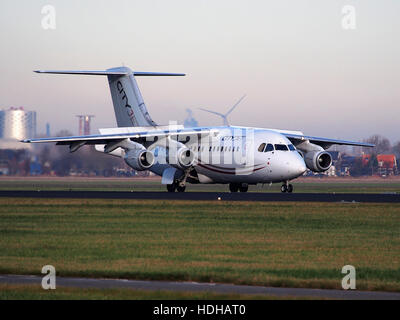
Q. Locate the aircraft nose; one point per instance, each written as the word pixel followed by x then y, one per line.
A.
pixel 301 167
pixel 295 166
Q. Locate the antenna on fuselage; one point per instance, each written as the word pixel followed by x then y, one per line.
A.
pixel 225 116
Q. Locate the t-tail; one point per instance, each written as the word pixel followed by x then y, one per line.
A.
pixel 129 107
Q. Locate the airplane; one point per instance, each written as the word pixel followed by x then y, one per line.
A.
pixel 233 155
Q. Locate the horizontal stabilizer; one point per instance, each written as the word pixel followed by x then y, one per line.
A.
pixel 159 74
pixel 88 72
pixel 129 107
pixel 109 73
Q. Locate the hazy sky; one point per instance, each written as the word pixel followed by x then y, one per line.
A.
pixel 299 68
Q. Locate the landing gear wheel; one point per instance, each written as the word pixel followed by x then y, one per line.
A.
pixel 244 187
pixel 284 188
pixel 171 187
pixel 233 187
pixel 290 188
pixel 180 188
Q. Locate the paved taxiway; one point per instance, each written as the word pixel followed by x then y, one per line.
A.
pixel 203 287
pixel 250 196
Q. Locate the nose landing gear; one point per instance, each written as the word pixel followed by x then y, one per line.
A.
pixel 286 187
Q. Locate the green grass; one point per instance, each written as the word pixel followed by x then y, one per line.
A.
pixel 32 292
pixel 330 185
pixel 278 244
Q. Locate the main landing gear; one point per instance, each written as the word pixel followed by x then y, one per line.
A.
pixel 235 187
pixel 179 184
pixel 286 187
pixel 176 186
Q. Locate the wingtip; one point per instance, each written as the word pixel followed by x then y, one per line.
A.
pixel 368 145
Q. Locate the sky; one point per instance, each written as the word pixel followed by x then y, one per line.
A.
pixel 298 66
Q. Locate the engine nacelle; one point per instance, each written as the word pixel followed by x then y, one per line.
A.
pixel 183 158
pixel 139 159
pixel 318 161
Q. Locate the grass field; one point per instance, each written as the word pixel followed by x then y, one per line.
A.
pixel 278 244
pixel 34 292
pixel 338 185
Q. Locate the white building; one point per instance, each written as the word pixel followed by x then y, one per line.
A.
pixel 16 124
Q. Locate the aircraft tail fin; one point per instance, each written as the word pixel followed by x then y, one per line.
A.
pixel 129 107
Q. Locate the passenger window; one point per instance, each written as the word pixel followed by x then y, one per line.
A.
pixel 291 147
pixel 281 147
pixel 269 147
pixel 261 147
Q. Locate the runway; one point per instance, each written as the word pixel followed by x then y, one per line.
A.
pixel 202 287
pixel 210 196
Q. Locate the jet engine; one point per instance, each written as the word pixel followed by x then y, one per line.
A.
pixel 139 159
pixel 182 159
pixel 318 161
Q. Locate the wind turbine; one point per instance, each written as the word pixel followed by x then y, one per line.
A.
pixel 225 116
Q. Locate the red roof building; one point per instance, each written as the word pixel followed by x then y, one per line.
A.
pixel 365 159
pixel 387 164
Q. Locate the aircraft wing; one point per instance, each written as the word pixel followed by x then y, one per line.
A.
pixel 140 137
pixel 323 142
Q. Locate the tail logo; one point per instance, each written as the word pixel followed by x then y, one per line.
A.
pixel 124 98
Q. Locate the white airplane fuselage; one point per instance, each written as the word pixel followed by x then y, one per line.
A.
pixel 230 157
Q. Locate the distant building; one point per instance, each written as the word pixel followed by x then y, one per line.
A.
pixel 16 124
pixel 345 164
pixel 35 168
pixel 387 164
pixel 84 124
pixel 48 130
pixel 365 159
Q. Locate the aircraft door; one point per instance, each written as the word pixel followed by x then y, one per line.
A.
pixel 270 153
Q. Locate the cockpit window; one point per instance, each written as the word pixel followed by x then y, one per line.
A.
pixel 261 147
pixel 269 147
pixel 281 147
pixel 291 147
